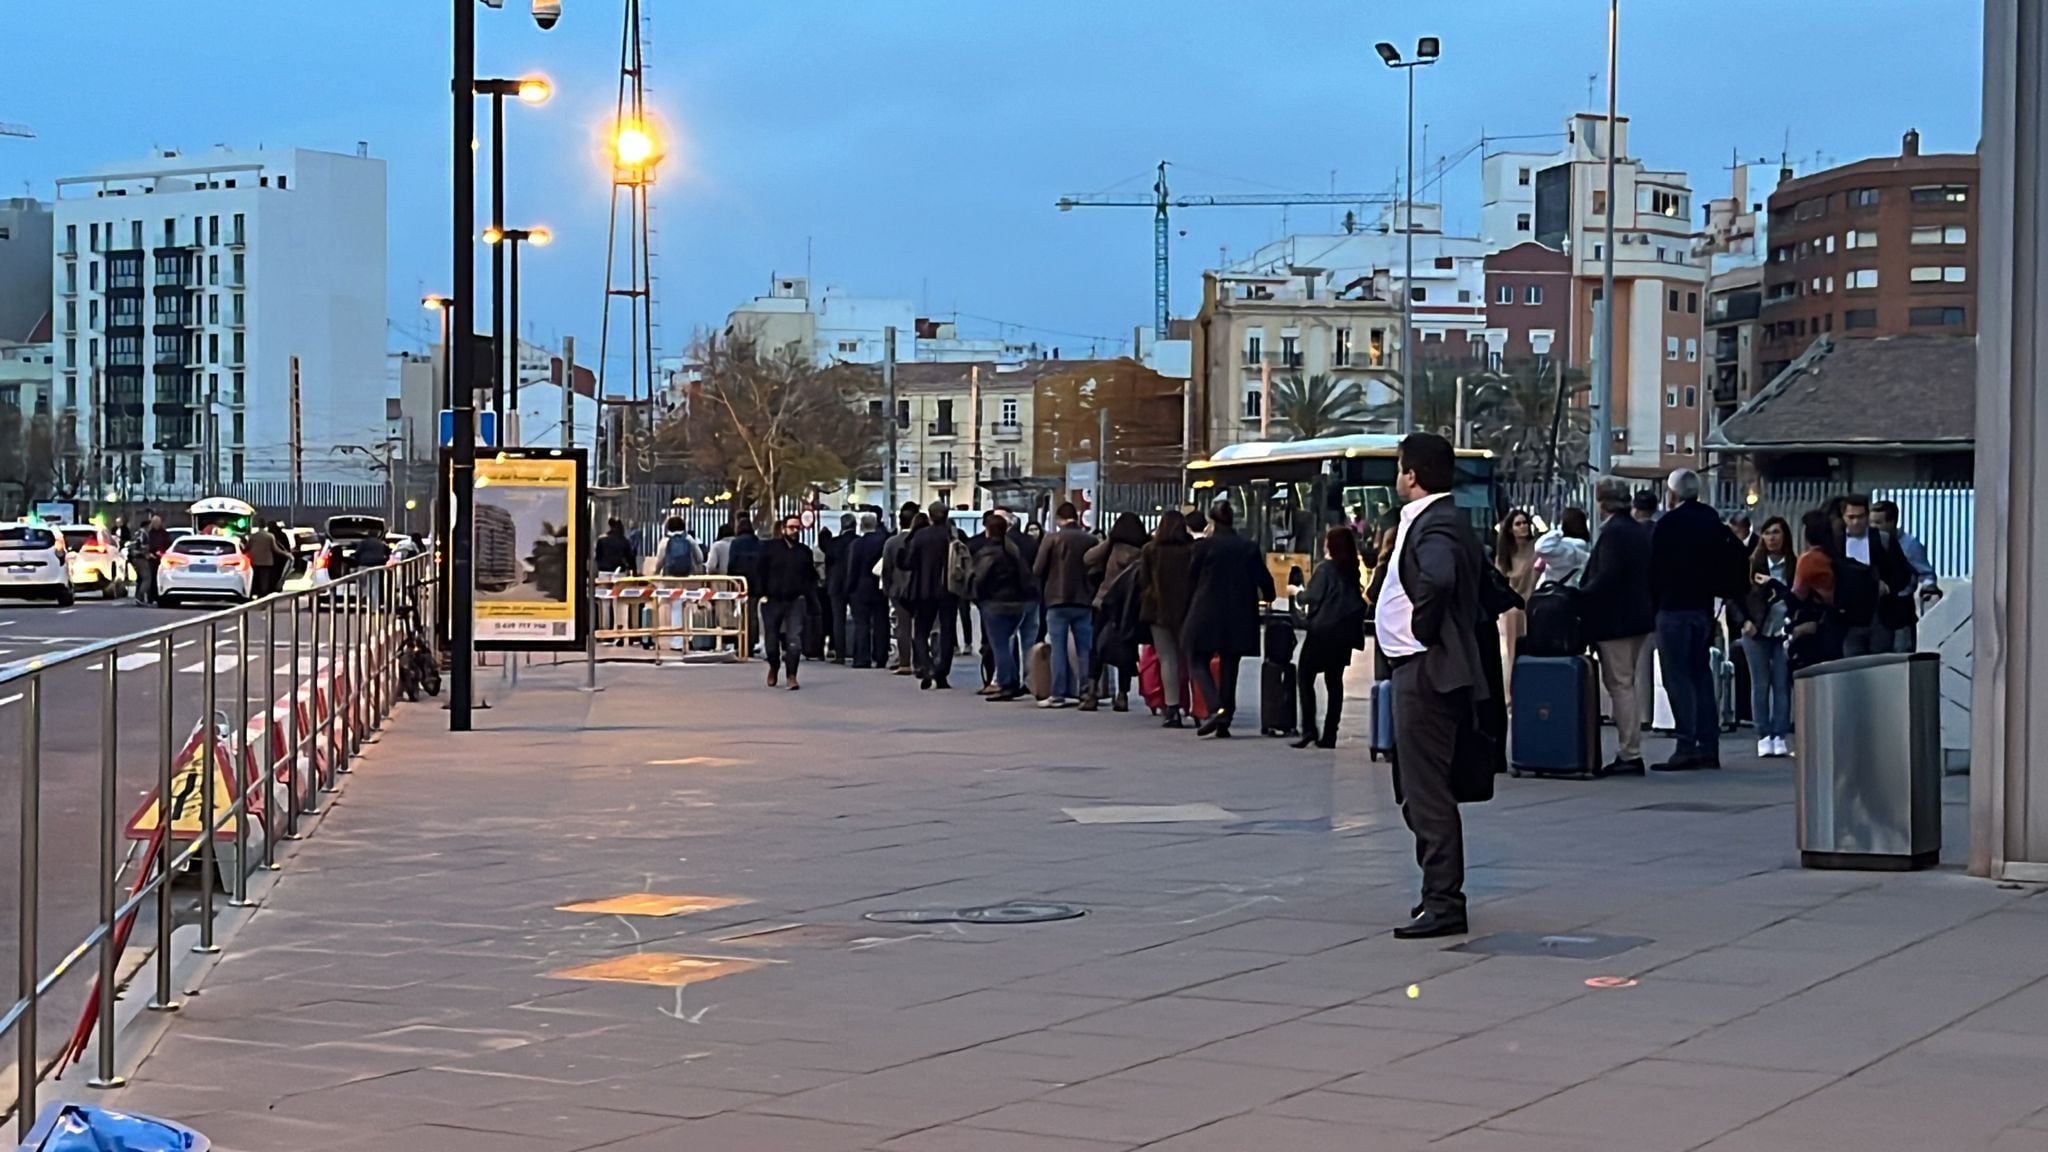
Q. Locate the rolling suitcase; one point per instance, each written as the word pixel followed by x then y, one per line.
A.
pixel 1555 730
pixel 1039 674
pixel 1381 743
pixel 1152 684
pixel 1279 713
pixel 1724 688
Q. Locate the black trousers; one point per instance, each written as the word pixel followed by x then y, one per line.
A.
pixel 933 636
pixel 1426 725
pixel 836 637
pixel 1220 697
pixel 1305 686
pixel 782 631
pixel 868 634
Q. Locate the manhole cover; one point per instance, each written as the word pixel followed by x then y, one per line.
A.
pixel 1724 808
pixel 1016 912
pixel 1565 945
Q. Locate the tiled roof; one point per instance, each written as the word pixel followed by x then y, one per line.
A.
pixel 1902 392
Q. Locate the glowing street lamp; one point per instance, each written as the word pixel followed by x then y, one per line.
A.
pixel 512 238
pixel 635 152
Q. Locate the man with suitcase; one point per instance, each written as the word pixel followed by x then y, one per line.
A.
pixel 1617 617
pixel 1428 611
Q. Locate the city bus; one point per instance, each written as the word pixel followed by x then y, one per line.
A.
pixel 1287 494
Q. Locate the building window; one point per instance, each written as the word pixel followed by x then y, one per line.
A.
pixel 237 465
pixel 902 414
pixel 1418 293
pixel 1692 303
pixel 1671 397
pixel 849 347
pixel 70 239
pixel 1929 234
pixel 1671 443
pixel 1522 177
pixel 1342 357
pixel 902 462
pixel 1671 302
pixel 71 352
pixel 1692 350
pixel 213 308
pixel 875 411
pixel 1290 351
pixel 1830 282
pixel 235 391
pixel 1376 348
pixel 1861 278
pixel 1692 396
pixel 1599 251
pixel 1941 194
pixel 1863 197
pixel 1860 318
pixel 1464 295
pixel 134 234
pixel 1505 294
pixel 1812 209
pixel 1599 202
pixel 1254 346
pixel 92 314
pixel 1533 294
pixel 1690 444
pixel 1859 238
pixel 1521 221
pixel 213 348
pixel 1828 243
pixel 1253 400
pixel 1935 317
pixel 237 433
pixel 1671 347
pixel 1659 202
pixel 1955 274
pixel 1009 409
pixel 92 275
pixel 1925 274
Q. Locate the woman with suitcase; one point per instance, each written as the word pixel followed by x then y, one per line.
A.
pixel 1336 628
pixel 1165 583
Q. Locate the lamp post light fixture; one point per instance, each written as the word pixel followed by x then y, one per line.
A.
pixel 531 90
pixel 512 238
pixel 1427 49
pixel 445 305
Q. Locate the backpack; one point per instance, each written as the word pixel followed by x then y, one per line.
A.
pixel 678 556
pixel 959 568
pixel 1553 623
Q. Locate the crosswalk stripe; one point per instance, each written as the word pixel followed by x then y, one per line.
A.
pixel 134 660
pixel 220 664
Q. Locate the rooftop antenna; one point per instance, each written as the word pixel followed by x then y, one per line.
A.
pixel 1592 84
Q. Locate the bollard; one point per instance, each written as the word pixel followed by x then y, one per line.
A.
pixel 209 864
pixel 166 685
pixel 26 1063
pixel 238 896
pixel 110 784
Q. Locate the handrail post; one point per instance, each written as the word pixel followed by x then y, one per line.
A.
pixel 166 685
pixel 335 766
pixel 308 802
pixel 209 863
pixel 29 892
pixel 110 785
pixel 243 811
pixel 270 734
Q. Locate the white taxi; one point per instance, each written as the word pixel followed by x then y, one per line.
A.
pixel 203 566
pixel 96 562
pixel 33 563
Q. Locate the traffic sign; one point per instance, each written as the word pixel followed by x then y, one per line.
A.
pixel 486 428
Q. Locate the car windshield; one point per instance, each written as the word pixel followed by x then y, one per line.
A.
pixel 23 536
pixel 354 527
pixel 80 537
pixel 206 546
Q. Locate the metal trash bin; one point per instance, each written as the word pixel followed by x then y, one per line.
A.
pixel 1867 731
pixel 82 1128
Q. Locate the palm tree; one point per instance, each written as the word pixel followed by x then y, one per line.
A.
pixel 1530 419
pixel 1320 405
pixel 1436 400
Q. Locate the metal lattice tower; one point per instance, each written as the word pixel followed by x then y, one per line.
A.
pixel 631 283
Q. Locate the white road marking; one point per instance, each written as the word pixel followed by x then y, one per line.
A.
pixel 183 644
pixel 220 664
pixel 6 700
pixel 66 611
pixel 134 660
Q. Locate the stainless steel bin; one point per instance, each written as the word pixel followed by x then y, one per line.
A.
pixel 1867 731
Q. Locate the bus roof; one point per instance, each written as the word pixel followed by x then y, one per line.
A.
pixel 1317 448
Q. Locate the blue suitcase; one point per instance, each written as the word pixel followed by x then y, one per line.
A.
pixel 1555 730
pixel 1381 744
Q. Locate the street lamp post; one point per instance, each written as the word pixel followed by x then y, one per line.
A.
pixel 529 90
pixel 512 238
pixel 1601 450
pixel 1426 51
pixel 445 305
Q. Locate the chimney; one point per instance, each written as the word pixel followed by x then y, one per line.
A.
pixel 1912 143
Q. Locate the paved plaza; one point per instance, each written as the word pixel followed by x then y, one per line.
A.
pixel 421 977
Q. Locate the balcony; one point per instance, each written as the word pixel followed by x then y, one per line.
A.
pixel 1006 430
pixel 236 239
pixel 1006 472
pixel 70 289
pixel 1726 351
pixel 941 429
pixel 941 473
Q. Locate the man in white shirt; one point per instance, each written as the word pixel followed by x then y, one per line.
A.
pixel 1424 626
pixel 1888 605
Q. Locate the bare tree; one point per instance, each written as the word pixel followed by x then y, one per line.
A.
pixel 769 426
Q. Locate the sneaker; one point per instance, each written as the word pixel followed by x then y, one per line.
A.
pixel 1779 747
pixel 1052 702
pixel 1767 747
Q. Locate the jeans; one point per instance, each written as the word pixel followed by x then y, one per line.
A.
pixel 782 632
pixel 868 632
pixel 1683 638
pixel 1066 622
pixel 999 623
pixel 1770 684
pixel 932 636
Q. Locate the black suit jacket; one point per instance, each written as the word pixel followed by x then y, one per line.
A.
pixel 1440 571
pixel 1888 559
pixel 1614 593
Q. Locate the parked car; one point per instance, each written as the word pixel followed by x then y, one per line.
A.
pixel 34 563
pixel 204 567
pixel 96 561
pixel 337 555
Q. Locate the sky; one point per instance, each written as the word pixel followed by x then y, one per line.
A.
pixel 915 148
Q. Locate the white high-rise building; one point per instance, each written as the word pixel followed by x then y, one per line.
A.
pixel 189 293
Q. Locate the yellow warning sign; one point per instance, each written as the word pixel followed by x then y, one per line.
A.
pixel 188 802
pixel 653 904
pixel 668 969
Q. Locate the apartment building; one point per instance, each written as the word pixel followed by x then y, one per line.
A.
pixel 1734 244
pixel 1528 304
pixel 1879 247
pixel 215 311
pixel 1659 281
pixel 959 427
pixel 25 225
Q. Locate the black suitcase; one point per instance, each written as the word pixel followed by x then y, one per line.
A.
pixel 1556 724
pixel 1279 712
pixel 1381 744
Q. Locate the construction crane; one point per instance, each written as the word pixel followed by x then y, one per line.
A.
pixel 21 130
pixel 1162 200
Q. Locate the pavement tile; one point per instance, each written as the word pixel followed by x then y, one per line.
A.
pixel 1142 1119
pixel 1294 1133
pixel 954 1138
pixel 1183 1018
pixel 1381 1114
pixel 741 1130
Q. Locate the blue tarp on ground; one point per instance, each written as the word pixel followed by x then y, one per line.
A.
pixel 80 1128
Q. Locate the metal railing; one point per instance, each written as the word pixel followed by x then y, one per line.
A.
pixel 335 652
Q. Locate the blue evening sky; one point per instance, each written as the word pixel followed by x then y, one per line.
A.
pixel 914 148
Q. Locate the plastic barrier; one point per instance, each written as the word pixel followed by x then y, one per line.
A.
pixel 674 613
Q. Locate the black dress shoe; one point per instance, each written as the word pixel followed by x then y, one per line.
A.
pixel 1430 925
pixel 1305 740
pixel 1326 741
pixel 1621 768
pixel 1217 721
pixel 1677 764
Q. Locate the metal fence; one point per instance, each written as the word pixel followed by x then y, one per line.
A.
pixel 93 721
pixel 1941 516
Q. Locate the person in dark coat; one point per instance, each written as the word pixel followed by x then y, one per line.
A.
pixel 1230 581
pixel 1336 629
pixel 1164 567
pixel 787 591
pixel 1617 616
pixel 1108 559
pixel 1692 559
pixel 614 553
pixel 867 602
pixel 935 611
pixel 836 549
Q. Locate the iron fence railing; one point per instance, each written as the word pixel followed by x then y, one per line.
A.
pixel 93 719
